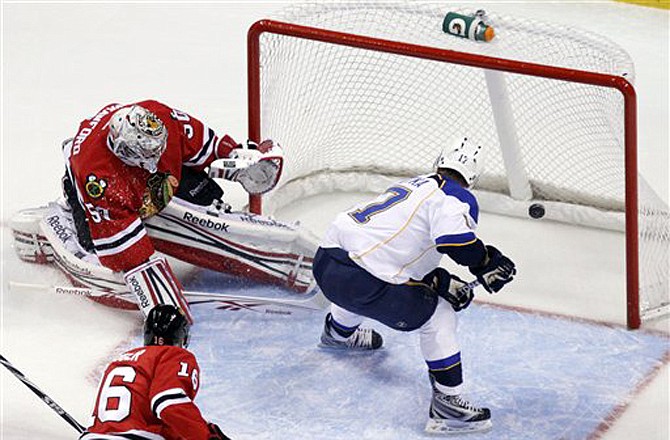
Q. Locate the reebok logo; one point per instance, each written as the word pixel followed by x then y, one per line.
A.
pixel 60 230
pixel 136 288
pixel 206 223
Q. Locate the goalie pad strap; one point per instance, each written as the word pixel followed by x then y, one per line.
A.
pixel 153 283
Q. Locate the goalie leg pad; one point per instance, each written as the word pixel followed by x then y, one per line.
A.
pixel 153 283
pixel 238 243
pixel 53 226
pixel 30 243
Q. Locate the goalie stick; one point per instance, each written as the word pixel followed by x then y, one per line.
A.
pixel 276 306
pixel 42 395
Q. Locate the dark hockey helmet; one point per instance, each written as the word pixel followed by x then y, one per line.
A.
pixel 166 325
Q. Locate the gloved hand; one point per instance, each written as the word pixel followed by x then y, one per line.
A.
pixel 257 167
pixel 450 287
pixel 496 270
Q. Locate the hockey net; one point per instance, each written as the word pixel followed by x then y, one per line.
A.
pixel 362 94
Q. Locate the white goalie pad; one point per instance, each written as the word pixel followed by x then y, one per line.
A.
pixel 30 243
pixel 251 246
pixel 153 283
pixel 47 234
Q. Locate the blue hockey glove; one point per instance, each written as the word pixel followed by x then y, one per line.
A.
pixel 496 271
pixel 450 287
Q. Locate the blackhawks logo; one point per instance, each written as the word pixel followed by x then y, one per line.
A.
pixel 95 187
pixel 158 193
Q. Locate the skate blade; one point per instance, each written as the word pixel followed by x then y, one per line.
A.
pixel 344 348
pixel 451 427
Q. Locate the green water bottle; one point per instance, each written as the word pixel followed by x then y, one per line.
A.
pixel 467 26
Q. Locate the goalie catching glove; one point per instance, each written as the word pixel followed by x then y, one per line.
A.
pixel 450 287
pixel 495 271
pixel 256 167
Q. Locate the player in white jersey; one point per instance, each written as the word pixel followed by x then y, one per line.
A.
pixel 381 260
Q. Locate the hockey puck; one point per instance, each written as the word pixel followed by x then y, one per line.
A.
pixel 536 210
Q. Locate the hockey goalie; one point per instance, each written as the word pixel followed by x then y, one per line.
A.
pixel 139 179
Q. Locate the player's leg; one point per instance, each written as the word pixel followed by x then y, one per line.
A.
pixel 449 411
pixel 342 330
pixel 341 283
pixel 355 293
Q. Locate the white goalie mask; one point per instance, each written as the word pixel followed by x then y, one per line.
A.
pixel 464 156
pixel 137 137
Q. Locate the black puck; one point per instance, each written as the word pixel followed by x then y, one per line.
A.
pixel 536 210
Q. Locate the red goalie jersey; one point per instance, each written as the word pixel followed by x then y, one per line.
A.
pixel 148 394
pixel 116 196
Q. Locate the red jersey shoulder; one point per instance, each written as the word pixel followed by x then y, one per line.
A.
pixel 177 365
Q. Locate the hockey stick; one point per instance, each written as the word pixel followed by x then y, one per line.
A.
pixel 468 287
pixel 46 399
pixel 277 306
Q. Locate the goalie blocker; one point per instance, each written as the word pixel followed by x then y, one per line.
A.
pixel 238 243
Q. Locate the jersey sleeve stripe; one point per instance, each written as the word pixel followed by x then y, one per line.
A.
pixel 169 402
pixel 207 149
pixel 162 400
pixel 456 239
pixel 119 235
pixel 122 243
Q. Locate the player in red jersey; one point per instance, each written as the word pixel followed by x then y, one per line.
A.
pixel 147 393
pixel 135 183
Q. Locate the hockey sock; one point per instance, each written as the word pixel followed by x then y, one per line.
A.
pixel 340 330
pixel 447 374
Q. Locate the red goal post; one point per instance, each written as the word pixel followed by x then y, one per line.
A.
pixel 619 83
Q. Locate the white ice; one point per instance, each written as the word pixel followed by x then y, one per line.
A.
pixel 61 62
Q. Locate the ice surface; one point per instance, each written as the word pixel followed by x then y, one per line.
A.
pixel 543 377
pixel 61 62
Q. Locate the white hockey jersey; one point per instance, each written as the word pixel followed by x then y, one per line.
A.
pixel 396 236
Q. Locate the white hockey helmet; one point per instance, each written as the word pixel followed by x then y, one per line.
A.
pixel 137 137
pixel 464 156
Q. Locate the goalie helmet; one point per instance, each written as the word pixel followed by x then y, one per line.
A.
pixel 464 156
pixel 137 137
pixel 166 325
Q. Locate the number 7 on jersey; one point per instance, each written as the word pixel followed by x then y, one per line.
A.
pixel 390 198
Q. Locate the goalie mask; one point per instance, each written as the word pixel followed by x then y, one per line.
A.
pixel 137 137
pixel 166 325
pixel 464 156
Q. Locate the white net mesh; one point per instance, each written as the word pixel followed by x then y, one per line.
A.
pixel 353 118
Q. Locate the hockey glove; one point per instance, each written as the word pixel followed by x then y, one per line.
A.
pixel 496 271
pixel 198 188
pixel 215 432
pixel 256 167
pixel 450 287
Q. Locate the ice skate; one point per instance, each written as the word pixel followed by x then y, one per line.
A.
pixel 455 415
pixel 363 339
